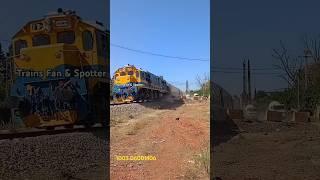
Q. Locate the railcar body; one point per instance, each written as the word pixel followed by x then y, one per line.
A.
pixel 133 84
pixel 60 73
pixel 222 102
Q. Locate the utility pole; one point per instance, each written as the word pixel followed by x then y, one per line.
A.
pixel 307 54
pixel 298 91
pixel 187 87
pixel 244 78
pixel 249 82
pixel 244 88
pixel 255 93
pixel 6 76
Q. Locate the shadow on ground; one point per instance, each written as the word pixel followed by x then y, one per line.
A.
pixel 170 103
pixel 223 130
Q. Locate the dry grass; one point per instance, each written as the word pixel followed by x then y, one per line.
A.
pixel 133 129
pixel 203 160
pixel 116 121
pixel 191 174
pixel 200 168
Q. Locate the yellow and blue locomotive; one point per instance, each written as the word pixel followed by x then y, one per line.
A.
pixel 133 84
pixel 60 71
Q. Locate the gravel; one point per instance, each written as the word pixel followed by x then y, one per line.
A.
pixel 61 156
pixel 123 112
pixel 126 111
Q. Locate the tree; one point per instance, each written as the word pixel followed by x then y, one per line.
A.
pixel 204 84
pixel 302 77
pixel 289 65
pixel 313 46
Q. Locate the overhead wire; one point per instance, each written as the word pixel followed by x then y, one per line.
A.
pixel 157 54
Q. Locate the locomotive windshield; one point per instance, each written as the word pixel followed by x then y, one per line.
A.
pixel 40 40
pixel 18 45
pixel 67 37
pixel 87 40
pixel 130 73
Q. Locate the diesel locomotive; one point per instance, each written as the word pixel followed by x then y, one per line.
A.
pixel 60 71
pixel 133 84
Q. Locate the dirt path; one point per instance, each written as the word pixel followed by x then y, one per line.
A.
pixel 173 136
pixel 269 151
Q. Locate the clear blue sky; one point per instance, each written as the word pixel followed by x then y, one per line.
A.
pixel 251 29
pixel 175 28
pixel 16 13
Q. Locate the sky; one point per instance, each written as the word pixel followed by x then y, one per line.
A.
pixel 251 29
pixel 16 13
pixel 173 28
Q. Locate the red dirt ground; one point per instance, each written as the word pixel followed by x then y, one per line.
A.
pixel 173 142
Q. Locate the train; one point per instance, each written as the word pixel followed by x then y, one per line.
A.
pixel 60 74
pixel 133 84
pixel 222 102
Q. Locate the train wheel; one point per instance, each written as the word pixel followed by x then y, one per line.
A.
pixel 149 92
pixel 142 95
pixel 155 94
pixel 151 95
pixel 88 124
pixel 87 120
pixel 50 128
pixel 69 126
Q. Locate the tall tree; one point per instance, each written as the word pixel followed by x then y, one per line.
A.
pixel 301 74
pixel 204 84
pixel 288 64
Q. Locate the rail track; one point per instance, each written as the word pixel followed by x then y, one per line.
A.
pixel 33 132
pixel 133 102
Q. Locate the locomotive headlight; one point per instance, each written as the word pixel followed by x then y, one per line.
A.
pixel 24 57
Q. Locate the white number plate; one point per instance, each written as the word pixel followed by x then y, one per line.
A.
pixel 35 27
pixel 63 24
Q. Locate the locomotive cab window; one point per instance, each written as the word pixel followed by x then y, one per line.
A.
pixel 102 41
pixel 18 45
pixel 130 73
pixel 137 74
pixel 87 40
pixel 40 40
pixel 122 73
pixel 67 37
